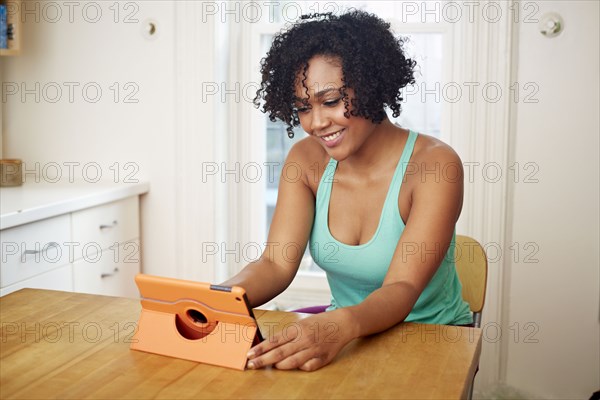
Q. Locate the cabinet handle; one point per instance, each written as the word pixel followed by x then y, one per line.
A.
pixel 45 248
pixel 114 223
pixel 110 274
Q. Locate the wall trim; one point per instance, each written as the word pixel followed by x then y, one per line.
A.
pixel 194 141
pixel 480 132
pixel 247 197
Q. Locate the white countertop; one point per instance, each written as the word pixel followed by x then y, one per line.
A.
pixel 35 201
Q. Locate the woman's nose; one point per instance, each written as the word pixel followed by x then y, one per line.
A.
pixel 319 121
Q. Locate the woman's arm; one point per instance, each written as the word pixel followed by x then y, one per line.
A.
pixel 436 205
pixel 288 236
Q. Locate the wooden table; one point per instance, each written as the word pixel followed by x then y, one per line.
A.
pixel 70 345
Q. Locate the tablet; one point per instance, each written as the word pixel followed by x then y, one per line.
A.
pixel 195 321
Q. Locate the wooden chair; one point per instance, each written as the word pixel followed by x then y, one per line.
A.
pixel 471 267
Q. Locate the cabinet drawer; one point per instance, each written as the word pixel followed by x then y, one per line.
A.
pixel 102 226
pixel 110 272
pixel 56 279
pixel 34 248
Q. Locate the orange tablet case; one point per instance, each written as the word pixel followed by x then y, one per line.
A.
pixel 195 321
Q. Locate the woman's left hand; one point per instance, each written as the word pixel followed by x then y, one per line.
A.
pixel 308 344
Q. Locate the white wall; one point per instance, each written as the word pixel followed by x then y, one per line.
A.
pixel 559 295
pixel 56 51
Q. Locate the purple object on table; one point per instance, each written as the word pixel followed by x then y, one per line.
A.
pixel 312 309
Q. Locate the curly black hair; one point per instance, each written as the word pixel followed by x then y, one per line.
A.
pixel 372 61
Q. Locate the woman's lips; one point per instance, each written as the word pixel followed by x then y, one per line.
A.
pixel 333 139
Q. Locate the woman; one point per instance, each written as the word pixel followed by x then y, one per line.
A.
pixel 379 218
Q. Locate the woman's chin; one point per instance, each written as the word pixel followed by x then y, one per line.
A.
pixel 337 154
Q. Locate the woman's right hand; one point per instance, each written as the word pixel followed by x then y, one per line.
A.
pixel 308 344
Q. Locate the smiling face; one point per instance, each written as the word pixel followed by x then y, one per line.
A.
pixel 321 109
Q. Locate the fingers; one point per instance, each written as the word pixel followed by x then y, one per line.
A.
pixel 286 357
pixel 313 364
pixel 270 352
pixel 266 345
pixel 296 360
pixel 271 357
pixel 283 352
pixel 306 347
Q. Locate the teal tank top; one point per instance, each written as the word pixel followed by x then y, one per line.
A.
pixel 354 272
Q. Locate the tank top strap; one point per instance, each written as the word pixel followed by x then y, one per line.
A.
pixel 324 189
pixel 398 178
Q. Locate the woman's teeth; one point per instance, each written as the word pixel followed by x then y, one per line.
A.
pixel 332 136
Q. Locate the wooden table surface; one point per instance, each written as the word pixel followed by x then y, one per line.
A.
pixel 71 345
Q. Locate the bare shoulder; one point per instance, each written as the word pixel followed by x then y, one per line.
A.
pixel 307 150
pixel 434 162
pixel 430 150
pixel 310 158
pixel 436 176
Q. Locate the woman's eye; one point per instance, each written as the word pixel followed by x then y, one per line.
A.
pixel 331 103
pixel 301 110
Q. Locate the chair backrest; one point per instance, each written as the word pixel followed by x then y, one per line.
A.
pixel 471 266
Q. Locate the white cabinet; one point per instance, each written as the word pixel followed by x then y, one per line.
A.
pixel 110 272
pixel 93 250
pixel 102 226
pixel 110 250
pixel 32 249
pixel 57 279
